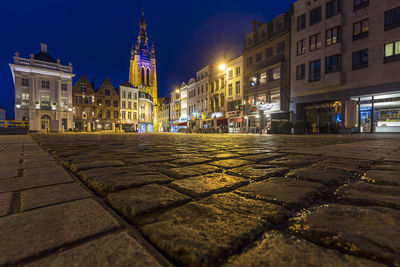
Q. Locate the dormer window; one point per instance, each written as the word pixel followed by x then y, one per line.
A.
pixel 278 25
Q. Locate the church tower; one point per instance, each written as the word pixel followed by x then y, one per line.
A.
pixel 142 69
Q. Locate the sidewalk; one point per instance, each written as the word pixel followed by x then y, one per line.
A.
pixel 47 218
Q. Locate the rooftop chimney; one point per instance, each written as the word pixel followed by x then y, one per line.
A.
pixel 43 48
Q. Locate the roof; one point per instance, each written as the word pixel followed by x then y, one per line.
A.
pixel 44 56
pixel 127 84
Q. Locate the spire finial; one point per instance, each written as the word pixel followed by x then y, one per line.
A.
pixel 142 10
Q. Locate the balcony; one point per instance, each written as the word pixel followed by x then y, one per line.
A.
pixel 41 64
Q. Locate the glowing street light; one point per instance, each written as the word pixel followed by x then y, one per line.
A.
pixel 177 91
pixel 222 66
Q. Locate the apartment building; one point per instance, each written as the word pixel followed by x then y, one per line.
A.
pixel 345 50
pixel 146 114
pixel 107 106
pixel 164 114
pixel 128 115
pixel 266 56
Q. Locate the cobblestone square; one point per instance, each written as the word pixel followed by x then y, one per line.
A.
pixel 191 199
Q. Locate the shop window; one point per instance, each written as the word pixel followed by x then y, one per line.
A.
pixel 392 19
pixel 315 71
pixel 358 4
pixel 315 42
pixel 301 22
pixel 275 74
pixel 301 47
pixel 332 64
pixel 315 16
pixel 360 29
pixel 333 36
pixel 301 72
pixel 360 59
pixel 392 52
pixel 333 8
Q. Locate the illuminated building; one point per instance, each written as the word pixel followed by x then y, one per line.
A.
pixel 142 71
pixel 43 92
pixel 344 50
pixel 128 115
pixel 164 115
pixel 146 115
pixel 107 107
pixel 83 105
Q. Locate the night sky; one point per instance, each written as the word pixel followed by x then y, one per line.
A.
pixel 96 36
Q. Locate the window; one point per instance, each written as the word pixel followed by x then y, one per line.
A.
pixel 123 94
pixel 64 87
pixel 237 71
pixel 230 74
pixel 332 64
pixel 360 59
pixel 237 88
pixel 108 102
pixel 358 4
pixel 333 36
pixel 230 89
pixel 134 115
pixel 115 114
pixel 332 8
pixel 107 92
pixel 82 88
pixel 315 42
pixel 301 22
pixel 281 47
pixel 99 101
pixel 275 74
pixel 115 104
pixel 129 105
pixel 64 102
pixel 301 48
pixel 123 104
pixel 142 75
pixel 142 116
pixel 392 52
pixel 129 115
pixel 258 57
pixel 100 114
pixel 315 16
pixel 46 84
pixel 25 98
pixel 88 100
pixel 278 25
pixel 315 71
pixel 78 99
pixel 270 52
pixel 25 82
pixel 392 19
pixel 142 106
pixel 360 29
pixel 249 61
pixel 123 115
pixel 45 100
pixel 301 72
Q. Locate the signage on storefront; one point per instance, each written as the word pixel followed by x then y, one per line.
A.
pixel 275 106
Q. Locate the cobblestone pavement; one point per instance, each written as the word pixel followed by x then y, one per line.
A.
pixel 233 200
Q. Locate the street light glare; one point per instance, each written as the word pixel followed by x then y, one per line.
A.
pixel 222 67
pixel 177 91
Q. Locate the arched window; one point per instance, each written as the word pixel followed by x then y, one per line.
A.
pixel 148 77
pixel 142 75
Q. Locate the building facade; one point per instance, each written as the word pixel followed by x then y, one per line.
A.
pixel 146 116
pixel 164 114
pixel 129 103
pixel 83 101
pixel 2 113
pixel 142 71
pixel 345 50
pixel 107 107
pixel 266 56
pixel 43 92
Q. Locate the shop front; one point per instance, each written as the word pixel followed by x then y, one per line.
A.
pixel 378 113
pixel 323 117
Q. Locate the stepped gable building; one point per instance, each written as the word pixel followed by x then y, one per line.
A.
pixel 107 106
pixel 43 91
pixel 346 50
pixel 266 57
pixel 142 70
pixel 83 100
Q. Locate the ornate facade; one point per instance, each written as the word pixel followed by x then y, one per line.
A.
pixel 142 70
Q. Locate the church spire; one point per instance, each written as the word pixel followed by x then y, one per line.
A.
pixel 142 38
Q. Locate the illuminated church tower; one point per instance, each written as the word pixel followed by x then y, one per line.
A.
pixel 142 69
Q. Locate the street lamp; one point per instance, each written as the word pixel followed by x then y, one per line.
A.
pixel 177 91
pixel 222 66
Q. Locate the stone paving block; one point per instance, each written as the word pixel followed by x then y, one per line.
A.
pixel 9 171
pixel 48 195
pixel 387 167
pixel 230 163
pixel 5 201
pixel 370 194
pixel 224 156
pixel 189 160
pixel 369 231
pixel 31 181
pixel 291 162
pixel 117 249
pixel 258 158
pixel 288 192
pixel 257 172
pixel 112 182
pixel 207 184
pixel 95 164
pixel 323 176
pixel 207 231
pixel 276 249
pixel 148 198
pixel 382 177
pixel 33 232
pixel 188 171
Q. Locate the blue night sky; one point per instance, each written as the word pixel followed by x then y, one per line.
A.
pixel 96 36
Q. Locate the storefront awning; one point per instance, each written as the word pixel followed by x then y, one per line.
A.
pixel 236 119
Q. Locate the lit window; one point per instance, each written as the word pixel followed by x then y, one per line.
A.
pixel 275 74
pixel 301 48
pixel 360 29
pixel 333 36
pixel 392 52
pixel 315 42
